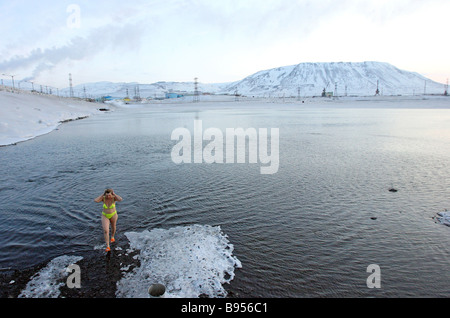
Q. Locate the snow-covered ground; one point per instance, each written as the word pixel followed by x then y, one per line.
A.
pixel 25 115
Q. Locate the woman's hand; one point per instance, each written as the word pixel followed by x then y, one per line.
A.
pixel 99 198
pixel 116 197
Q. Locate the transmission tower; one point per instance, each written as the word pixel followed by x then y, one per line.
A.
pixel 70 85
pixel 196 94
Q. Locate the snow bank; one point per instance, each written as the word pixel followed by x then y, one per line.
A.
pixel 24 116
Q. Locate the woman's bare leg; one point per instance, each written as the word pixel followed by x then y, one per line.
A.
pixel 105 225
pixel 113 224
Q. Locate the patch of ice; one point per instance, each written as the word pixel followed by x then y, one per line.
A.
pixel 444 218
pixel 44 284
pixel 189 261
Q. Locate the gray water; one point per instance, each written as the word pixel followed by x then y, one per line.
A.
pixel 310 230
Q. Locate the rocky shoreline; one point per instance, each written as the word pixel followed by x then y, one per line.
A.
pixel 100 272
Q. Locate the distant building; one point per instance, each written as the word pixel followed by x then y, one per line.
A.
pixel 174 95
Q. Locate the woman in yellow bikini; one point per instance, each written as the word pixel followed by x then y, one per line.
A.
pixel 109 214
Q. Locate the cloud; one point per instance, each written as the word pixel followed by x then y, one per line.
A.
pixel 109 37
pixel 127 39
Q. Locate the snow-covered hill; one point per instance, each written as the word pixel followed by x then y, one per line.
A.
pixel 345 78
pixel 24 116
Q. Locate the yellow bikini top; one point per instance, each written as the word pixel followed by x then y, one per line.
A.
pixel 111 207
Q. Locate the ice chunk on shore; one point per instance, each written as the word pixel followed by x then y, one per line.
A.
pixel 46 282
pixel 189 261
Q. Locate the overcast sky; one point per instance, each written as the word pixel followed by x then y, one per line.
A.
pixel 215 40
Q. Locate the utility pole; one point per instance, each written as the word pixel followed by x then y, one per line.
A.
pixel 12 77
pixel 446 88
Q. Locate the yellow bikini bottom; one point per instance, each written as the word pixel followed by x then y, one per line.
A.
pixel 109 216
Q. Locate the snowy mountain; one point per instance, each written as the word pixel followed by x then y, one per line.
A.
pixel 345 78
pixel 308 79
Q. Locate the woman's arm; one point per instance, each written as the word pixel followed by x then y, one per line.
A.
pixel 117 197
pixel 99 198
